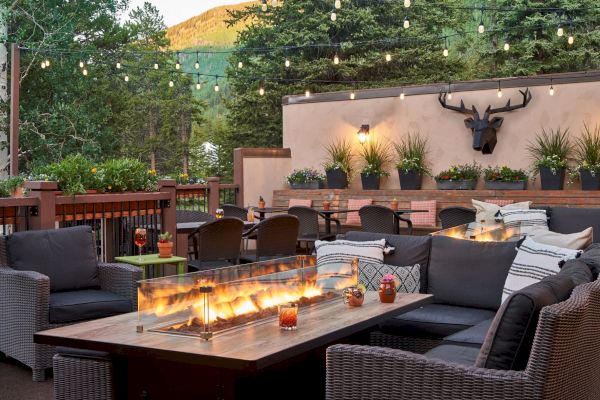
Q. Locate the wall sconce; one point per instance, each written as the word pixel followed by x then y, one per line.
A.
pixel 363 134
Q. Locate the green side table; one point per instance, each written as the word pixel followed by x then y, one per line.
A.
pixel 154 259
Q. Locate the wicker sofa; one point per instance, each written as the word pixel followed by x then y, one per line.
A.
pixel 30 301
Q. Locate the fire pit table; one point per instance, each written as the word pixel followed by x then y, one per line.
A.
pixel 215 334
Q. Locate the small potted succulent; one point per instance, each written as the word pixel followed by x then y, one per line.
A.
pixel 306 178
pixel 411 161
pixel 387 289
pixel 376 157
pixel 338 168
pixel 261 202
pixel 504 178
pixel 587 154
pixel 549 152
pixel 459 177
pixel 165 245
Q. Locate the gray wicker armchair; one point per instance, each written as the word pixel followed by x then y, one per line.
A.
pixel 25 307
pixel 563 364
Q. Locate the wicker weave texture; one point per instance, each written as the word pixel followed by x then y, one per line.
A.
pixel 378 219
pixel 82 378
pixel 455 216
pixel 407 343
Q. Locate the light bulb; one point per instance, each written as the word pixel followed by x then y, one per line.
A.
pixel 43 65
pixel 216 87
pixel 336 59
pixel 84 72
pixel 47 63
pixel 118 65
pixel 155 66
pixel 287 63
pixel 307 93
pixel 337 4
pixel 126 78
pixel 171 84
pixel 81 64
pixel 333 16
pixel 197 65
pixel 177 65
pixel 406 3
pixel 571 39
pixel 388 57
pixel 264 6
pixel 445 52
pixel 551 91
pixel 352 95
pixel 560 31
pixel 506 46
pixel 406 23
pixel 481 28
pixel 402 95
pixel 449 95
pixel 240 65
pixel 198 86
pixel 261 91
pixel 499 93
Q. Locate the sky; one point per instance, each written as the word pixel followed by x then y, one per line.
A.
pixel 176 11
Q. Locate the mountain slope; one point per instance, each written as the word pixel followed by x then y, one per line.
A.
pixel 206 30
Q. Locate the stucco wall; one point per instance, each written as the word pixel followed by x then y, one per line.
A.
pixel 307 128
pixel 262 176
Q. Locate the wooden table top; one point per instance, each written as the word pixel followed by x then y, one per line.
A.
pixel 149 259
pixel 251 347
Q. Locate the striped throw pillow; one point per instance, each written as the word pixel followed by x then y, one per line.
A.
pixel 334 259
pixel 525 220
pixel 534 262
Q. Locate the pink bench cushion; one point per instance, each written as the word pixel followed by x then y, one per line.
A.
pixel 300 202
pixel 499 202
pixel 424 218
pixel 355 204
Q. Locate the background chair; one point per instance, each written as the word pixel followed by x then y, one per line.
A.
pixel 276 236
pixel 216 244
pixel 47 286
pixel 309 230
pixel 455 216
pixel 378 219
pixel 231 210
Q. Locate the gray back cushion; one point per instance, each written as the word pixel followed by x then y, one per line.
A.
pixel 508 342
pixel 571 220
pixel 67 256
pixel 468 273
pixel 410 250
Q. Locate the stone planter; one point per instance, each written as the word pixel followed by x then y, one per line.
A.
pixel 410 180
pixel 506 185
pixel 336 179
pixel 370 181
pixel 307 185
pixel 588 181
pixel 457 185
pixel 552 181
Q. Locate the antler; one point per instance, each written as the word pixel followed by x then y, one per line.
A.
pixel 526 99
pixel 461 109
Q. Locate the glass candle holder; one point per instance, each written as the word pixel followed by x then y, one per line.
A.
pixel 219 213
pixel 288 316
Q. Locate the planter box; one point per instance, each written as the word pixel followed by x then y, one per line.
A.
pixel 552 181
pixel 506 185
pixel 588 181
pixel 336 179
pixel 456 185
pixel 410 180
pixel 370 181
pixel 307 185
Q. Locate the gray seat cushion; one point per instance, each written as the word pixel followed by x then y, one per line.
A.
pixel 510 337
pixel 578 270
pixel 436 320
pixel 468 273
pixel 66 256
pixel 571 220
pixel 79 305
pixel 591 257
pixel 410 250
pixel 473 336
pixel 456 353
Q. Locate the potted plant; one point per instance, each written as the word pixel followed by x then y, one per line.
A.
pixel 261 203
pixel 306 178
pixel 12 187
pixel 459 177
pixel 376 157
pixel 587 153
pixel 387 288
pixel 165 245
pixel 338 168
pixel 549 151
pixel 504 178
pixel 411 161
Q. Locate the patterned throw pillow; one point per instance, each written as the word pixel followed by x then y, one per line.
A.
pixel 409 277
pixel 424 218
pixel 525 220
pixel 534 262
pixel 355 204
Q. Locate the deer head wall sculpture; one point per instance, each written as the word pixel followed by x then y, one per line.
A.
pixel 484 129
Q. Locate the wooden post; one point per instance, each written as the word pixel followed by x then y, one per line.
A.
pixel 46 213
pixel 15 87
pixel 214 197
pixel 168 212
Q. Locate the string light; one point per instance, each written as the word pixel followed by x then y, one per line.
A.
pixel 481 28
pixel 261 91
pixel 43 65
pixel 126 78
pixel 118 65
pixel 406 23
pixel 177 64
pixel 388 57
pixel 499 90
pixel 240 65
pixel 336 59
pixel 307 93
pixel 197 64
pixel 216 84
pixel 551 90
pixel 198 85
pixel 560 31
pixel 47 62
pixel 81 64
pixel 155 66
pixel 352 95
pixel 287 63
pixel 506 46
pixel 333 16
pixel 263 7
pixel 406 3
pixel 445 52
pixel 84 72
pixel 401 93
pixel 337 4
pixel 449 95
pixel 571 39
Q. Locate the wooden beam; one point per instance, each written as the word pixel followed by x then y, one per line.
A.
pixel 15 88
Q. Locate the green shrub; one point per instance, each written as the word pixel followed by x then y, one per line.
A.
pixel 126 175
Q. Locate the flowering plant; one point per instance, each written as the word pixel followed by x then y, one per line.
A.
pixel 550 149
pixel 304 175
pixel 411 154
pixel 387 278
pixel 587 153
pixel 464 172
pixel 504 174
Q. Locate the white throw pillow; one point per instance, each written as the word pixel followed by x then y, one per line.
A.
pixel 487 211
pixel 576 241
pixel 334 259
pixel 525 220
pixel 534 262
pixel 408 278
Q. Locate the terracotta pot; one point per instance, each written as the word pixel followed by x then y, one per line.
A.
pixel 165 250
pixel 394 204
pixel 326 205
pixel 262 204
pixel 387 292
pixel 19 192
